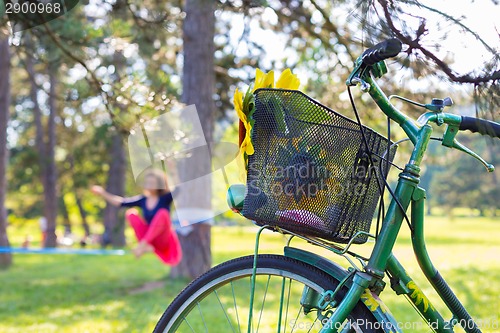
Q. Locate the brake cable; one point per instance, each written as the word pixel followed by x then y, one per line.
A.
pixel 371 161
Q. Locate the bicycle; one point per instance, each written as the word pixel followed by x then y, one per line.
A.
pixel 305 291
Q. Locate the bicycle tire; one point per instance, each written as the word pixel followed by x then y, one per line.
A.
pixel 240 270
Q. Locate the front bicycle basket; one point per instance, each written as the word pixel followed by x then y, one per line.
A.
pixel 311 172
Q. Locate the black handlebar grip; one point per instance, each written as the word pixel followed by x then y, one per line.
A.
pixel 384 50
pixel 482 126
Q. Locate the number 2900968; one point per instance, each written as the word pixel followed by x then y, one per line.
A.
pixel 32 7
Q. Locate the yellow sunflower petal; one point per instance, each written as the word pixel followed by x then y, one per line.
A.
pixel 259 76
pixel 238 105
pixel 247 145
pixel 263 80
pixel 248 127
pixel 287 80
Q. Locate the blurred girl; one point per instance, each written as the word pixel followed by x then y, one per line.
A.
pixel 153 228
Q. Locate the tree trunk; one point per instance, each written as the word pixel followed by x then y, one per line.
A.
pixel 50 188
pixel 114 225
pixel 5 258
pixel 45 148
pixel 198 88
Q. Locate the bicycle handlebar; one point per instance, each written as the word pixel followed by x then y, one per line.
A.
pixel 384 50
pixel 482 126
pixel 388 49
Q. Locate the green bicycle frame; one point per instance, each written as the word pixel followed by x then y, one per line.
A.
pixel 365 285
pixel 382 260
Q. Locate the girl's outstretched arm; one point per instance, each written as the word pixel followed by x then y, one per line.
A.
pixel 113 199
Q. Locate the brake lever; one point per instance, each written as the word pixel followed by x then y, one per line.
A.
pixel 461 147
pixel 450 142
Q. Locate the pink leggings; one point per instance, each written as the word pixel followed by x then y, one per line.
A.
pixel 158 234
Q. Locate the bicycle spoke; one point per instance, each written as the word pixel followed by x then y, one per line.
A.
pixel 280 315
pixel 202 318
pixel 263 302
pixel 312 325
pixel 287 303
pixel 251 319
pixel 235 307
pixel 224 310
pixel 296 318
pixel 187 322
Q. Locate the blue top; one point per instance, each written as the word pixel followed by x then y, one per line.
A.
pixel 164 201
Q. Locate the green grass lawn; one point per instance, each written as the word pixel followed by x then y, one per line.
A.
pixel 70 293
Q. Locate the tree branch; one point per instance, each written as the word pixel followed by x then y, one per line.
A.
pixel 331 27
pixel 98 84
pixel 309 29
pixel 414 44
pixel 463 26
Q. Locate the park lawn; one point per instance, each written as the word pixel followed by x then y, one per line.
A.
pixel 70 293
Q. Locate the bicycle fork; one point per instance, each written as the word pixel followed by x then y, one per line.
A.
pixel 360 282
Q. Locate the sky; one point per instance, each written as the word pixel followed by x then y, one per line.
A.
pixel 482 16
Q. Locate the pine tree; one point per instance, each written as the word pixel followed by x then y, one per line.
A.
pixel 5 258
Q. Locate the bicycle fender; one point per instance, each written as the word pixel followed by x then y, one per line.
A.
pixel 379 310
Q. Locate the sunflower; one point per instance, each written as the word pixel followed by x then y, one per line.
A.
pixel 245 106
pixel 246 146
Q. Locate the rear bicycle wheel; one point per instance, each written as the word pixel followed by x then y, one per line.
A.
pixel 219 300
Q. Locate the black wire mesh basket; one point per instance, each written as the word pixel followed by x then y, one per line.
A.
pixel 311 172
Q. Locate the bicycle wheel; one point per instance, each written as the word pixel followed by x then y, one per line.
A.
pixel 219 300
